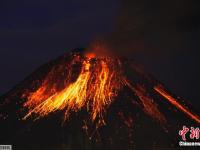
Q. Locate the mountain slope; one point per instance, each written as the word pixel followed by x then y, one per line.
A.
pixel 137 118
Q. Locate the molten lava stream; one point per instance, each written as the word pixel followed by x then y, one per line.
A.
pixel 175 103
pixel 94 89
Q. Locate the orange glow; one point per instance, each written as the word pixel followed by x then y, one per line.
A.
pixel 90 55
pixel 91 83
pixel 148 104
pixel 94 90
pixel 175 103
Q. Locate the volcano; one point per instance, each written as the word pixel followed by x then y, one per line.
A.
pixel 82 100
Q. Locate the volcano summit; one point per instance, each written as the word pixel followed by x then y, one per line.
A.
pixel 97 101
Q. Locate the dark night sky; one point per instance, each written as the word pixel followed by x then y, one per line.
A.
pixel 35 31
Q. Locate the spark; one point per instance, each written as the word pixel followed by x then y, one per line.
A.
pixel 94 89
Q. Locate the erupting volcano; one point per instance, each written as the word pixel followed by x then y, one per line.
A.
pixel 95 87
pixel 98 87
pixel 97 84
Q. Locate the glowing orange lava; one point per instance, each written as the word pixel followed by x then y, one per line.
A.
pixel 149 106
pixel 175 103
pixel 93 86
pixel 94 89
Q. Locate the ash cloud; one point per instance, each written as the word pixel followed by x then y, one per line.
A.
pixel 164 37
pixel 155 25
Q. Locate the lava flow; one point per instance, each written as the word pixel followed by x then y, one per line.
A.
pixel 175 103
pixel 93 87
